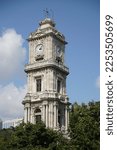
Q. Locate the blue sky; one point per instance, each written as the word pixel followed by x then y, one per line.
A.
pixel 79 21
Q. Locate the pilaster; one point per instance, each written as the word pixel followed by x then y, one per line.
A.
pixel 47 113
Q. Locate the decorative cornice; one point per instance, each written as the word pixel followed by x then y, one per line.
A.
pixel 41 65
pixel 41 33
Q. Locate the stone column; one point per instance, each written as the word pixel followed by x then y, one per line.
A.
pixel 25 115
pixel 66 118
pixel 44 115
pixel 57 116
pixel 52 115
pixel 49 116
pixel 28 109
pixel 47 113
pixel 31 115
pixel 55 124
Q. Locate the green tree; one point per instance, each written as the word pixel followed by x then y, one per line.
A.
pixel 85 126
pixel 5 136
pixel 84 132
pixel 37 137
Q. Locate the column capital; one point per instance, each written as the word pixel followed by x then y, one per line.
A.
pixel 45 103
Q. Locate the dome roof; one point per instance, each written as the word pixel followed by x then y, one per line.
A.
pixel 47 21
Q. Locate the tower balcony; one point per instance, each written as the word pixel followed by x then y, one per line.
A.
pixel 45 64
pixel 47 95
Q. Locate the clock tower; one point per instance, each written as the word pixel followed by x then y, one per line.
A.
pixel 46 97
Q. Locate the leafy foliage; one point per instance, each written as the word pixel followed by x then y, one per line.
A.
pixel 5 135
pixel 83 131
pixel 33 137
pixel 85 126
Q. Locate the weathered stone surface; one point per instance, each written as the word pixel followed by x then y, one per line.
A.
pixel 47 99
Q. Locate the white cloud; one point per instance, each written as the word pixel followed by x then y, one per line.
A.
pixel 11 101
pixel 12 54
pixel 98 82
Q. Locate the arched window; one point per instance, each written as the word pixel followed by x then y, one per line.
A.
pixel 37 115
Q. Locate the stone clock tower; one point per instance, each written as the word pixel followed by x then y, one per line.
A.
pixel 46 97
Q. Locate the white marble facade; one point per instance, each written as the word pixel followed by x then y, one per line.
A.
pixel 46 97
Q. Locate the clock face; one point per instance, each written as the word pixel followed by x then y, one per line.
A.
pixel 58 50
pixel 39 49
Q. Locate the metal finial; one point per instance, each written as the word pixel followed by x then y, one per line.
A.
pixel 46 13
pixel 52 14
